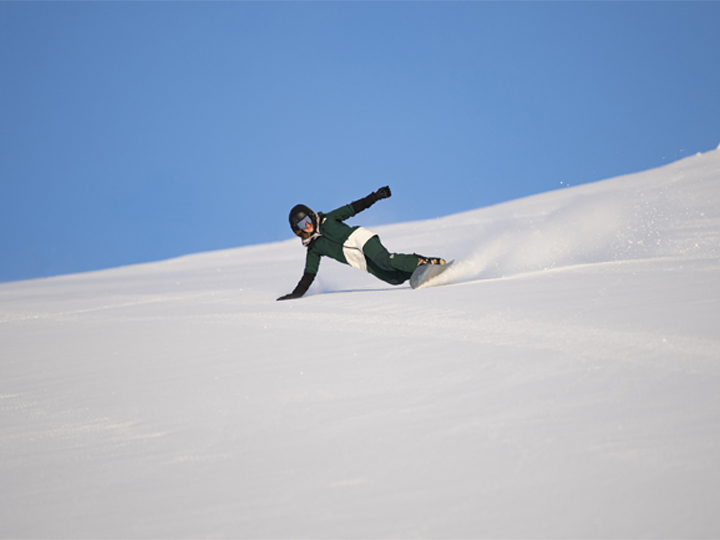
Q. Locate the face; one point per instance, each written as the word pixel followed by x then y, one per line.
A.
pixel 307 231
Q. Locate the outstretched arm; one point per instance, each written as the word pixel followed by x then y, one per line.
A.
pixel 367 202
pixel 301 287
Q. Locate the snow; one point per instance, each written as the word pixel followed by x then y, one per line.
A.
pixel 564 383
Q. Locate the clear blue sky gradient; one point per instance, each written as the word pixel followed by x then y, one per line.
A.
pixel 133 132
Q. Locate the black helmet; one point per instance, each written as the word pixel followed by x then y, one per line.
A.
pixel 300 212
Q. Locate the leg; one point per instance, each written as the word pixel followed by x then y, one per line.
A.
pixel 393 277
pixel 376 252
pixel 393 268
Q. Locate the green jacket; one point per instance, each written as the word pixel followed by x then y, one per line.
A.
pixel 333 235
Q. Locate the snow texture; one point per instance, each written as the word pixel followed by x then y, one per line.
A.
pixel 565 382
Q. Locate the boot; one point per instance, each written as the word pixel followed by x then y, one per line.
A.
pixel 428 260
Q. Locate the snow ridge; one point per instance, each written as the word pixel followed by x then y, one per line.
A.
pixel 670 212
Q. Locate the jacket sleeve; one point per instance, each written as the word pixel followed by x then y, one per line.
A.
pixel 355 207
pixel 312 261
pixel 342 213
pixel 301 288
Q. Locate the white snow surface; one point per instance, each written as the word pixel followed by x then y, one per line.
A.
pixel 564 383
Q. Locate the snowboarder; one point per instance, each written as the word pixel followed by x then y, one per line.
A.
pixel 328 235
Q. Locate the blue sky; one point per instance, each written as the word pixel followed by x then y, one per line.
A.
pixel 139 131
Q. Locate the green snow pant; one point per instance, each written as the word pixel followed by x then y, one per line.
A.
pixel 393 268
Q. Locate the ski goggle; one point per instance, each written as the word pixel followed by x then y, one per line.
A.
pixel 304 222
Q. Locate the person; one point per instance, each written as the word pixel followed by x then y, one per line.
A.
pixel 327 235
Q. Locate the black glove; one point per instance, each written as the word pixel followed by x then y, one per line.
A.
pixel 301 287
pixel 367 202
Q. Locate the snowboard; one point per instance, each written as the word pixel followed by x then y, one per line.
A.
pixel 427 272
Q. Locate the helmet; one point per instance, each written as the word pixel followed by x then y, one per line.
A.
pixel 300 212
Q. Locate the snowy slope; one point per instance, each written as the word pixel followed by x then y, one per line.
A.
pixel 565 384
